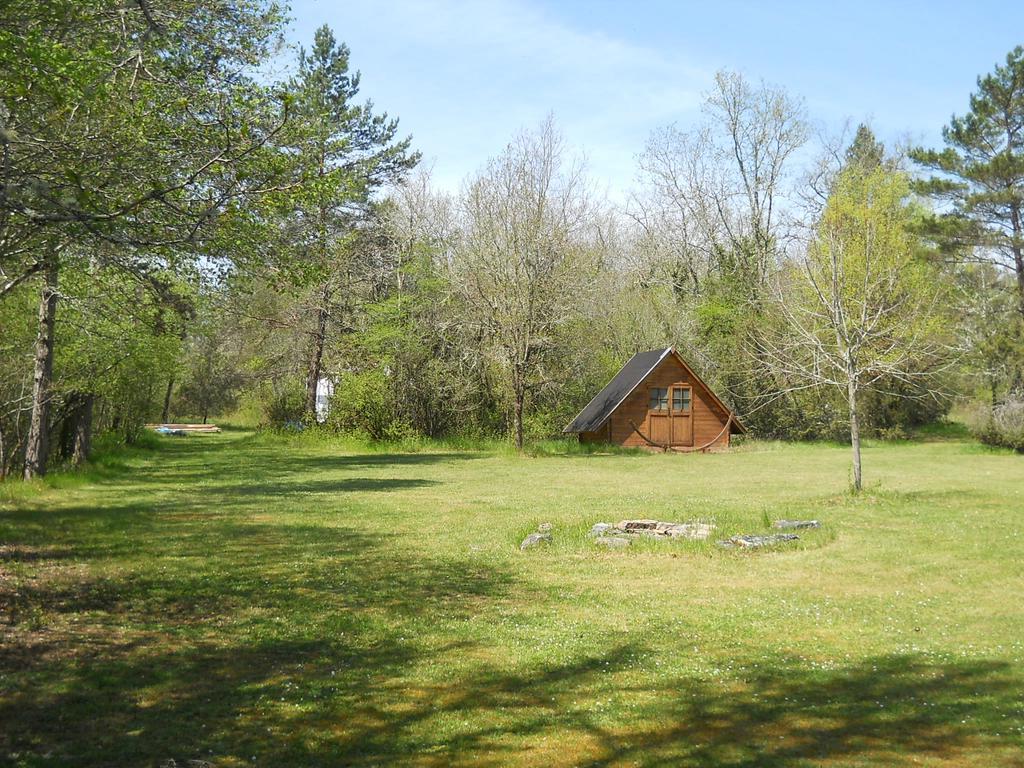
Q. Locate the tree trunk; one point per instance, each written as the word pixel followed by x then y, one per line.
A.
pixel 851 390
pixel 517 419
pixel 165 415
pixel 83 430
pixel 1018 255
pixel 316 353
pixel 36 452
pixel 1018 258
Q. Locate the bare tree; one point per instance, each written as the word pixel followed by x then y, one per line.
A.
pixel 861 307
pixel 522 261
pixel 420 218
pixel 713 194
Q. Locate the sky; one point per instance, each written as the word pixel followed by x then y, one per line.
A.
pixel 464 77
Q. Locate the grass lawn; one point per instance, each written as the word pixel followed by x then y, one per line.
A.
pixel 247 600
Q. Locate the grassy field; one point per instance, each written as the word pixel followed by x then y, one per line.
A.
pixel 247 600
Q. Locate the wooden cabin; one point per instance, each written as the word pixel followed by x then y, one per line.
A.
pixel 657 401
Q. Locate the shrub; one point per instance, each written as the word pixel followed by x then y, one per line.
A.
pixel 364 403
pixel 1002 425
pixel 287 405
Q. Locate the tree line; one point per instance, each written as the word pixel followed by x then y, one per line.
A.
pixel 185 234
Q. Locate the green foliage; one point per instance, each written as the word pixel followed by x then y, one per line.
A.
pixel 865 151
pixel 110 448
pixel 119 343
pixel 212 369
pixel 103 77
pixel 865 310
pixel 992 332
pixel 286 407
pixel 127 132
pixel 422 386
pixel 363 403
pixel 17 321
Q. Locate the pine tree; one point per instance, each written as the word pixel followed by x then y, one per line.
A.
pixel 981 172
pixel 344 152
pixel 865 151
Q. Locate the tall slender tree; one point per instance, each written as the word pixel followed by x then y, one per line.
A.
pixel 344 153
pixel 522 268
pixel 861 308
pixel 713 193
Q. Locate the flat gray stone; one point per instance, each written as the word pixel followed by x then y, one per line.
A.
pixel 600 529
pixel 637 525
pixel 693 531
pixel 535 540
pixel 752 541
pixel 696 530
pixel 612 542
pixel 790 524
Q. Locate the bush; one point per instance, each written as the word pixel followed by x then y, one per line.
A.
pixel 287 405
pixel 364 403
pixel 1002 425
pixel 543 425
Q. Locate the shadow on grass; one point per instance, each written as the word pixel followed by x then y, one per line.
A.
pixel 185 633
pixel 194 462
pixel 213 648
pixel 277 645
pixel 204 457
pixel 185 570
pixel 239 492
pixel 334 701
pixel 889 709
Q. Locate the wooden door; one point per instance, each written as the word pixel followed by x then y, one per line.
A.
pixel 659 421
pixel 681 415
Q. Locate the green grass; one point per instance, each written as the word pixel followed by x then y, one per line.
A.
pixel 255 600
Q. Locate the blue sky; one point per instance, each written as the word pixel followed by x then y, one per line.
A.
pixel 463 77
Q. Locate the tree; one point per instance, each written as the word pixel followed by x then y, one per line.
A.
pixel 168 89
pixel 344 153
pixel 861 306
pixel 981 173
pixel 712 217
pixel 865 151
pixel 991 329
pixel 522 261
pixel 713 193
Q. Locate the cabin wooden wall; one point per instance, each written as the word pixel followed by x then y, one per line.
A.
pixel 603 435
pixel 708 418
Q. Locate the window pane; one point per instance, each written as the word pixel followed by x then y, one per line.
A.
pixel 677 399
pixel 686 399
pixel 659 398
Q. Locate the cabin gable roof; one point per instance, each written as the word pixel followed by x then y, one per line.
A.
pixel 597 411
pixel 632 374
